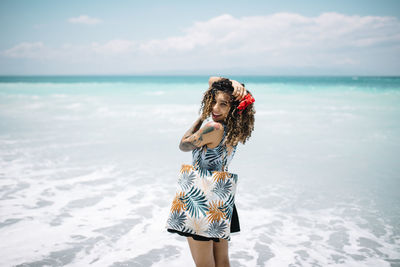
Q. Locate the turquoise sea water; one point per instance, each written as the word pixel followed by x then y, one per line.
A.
pixel 91 164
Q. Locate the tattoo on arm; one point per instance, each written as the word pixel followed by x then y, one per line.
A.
pixel 195 127
pixel 207 130
pixel 194 141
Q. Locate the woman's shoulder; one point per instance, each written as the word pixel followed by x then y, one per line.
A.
pixel 219 130
pixel 216 125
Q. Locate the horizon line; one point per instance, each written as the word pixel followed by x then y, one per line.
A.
pixel 196 75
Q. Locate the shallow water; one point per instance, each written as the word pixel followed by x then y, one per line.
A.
pixel 88 170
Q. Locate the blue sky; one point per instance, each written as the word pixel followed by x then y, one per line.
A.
pixel 177 37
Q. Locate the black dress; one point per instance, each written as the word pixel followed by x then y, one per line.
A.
pixel 235 227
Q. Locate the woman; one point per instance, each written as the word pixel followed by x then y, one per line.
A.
pixel 232 112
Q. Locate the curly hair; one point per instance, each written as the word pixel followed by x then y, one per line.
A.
pixel 239 125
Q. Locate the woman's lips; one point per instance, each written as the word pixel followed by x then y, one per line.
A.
pixel 215 115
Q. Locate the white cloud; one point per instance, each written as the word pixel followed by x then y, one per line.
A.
pixel 26 50
pixel 282 31
pixel 282 40
pixel 114 47
pixel 275 40
pixel 84 19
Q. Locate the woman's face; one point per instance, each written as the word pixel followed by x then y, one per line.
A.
pixel 220 106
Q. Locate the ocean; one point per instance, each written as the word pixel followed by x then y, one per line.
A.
pixel 89 167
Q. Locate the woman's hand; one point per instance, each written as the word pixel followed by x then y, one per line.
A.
pixel 238 90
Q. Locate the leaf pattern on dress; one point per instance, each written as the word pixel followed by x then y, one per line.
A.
pixel 176 220
pixel 206 185
pixel 228 207
pixel 216 228
pixel 196 202
pixel 214 166
pixel 234 176
pixel 223 188
pixel 212 155
pixel 216 211
pixel 186 179
pixel 186 168
pixel 220 175
pixel 178 203
pixel 202 167
pixel 198 225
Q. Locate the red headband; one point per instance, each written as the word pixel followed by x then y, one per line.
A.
pixel 247 100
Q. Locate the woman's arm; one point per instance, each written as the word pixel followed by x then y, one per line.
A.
pixel 196 137
pixel 184 146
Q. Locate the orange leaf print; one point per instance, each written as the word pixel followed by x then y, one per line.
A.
pixel 186 168
pixel 177 203
pixel 215 212
pixel 219 175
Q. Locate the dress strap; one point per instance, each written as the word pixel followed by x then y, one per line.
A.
pixel 224 152
pixel 224 159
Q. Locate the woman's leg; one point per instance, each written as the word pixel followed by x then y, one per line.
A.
pixel 202 252
pixel 221 256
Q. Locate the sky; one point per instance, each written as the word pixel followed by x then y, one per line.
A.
pixel 360 37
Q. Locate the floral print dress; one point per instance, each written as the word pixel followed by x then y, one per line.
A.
pixel 207 160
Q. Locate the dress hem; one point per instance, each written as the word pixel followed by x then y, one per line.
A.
pixel 196 237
